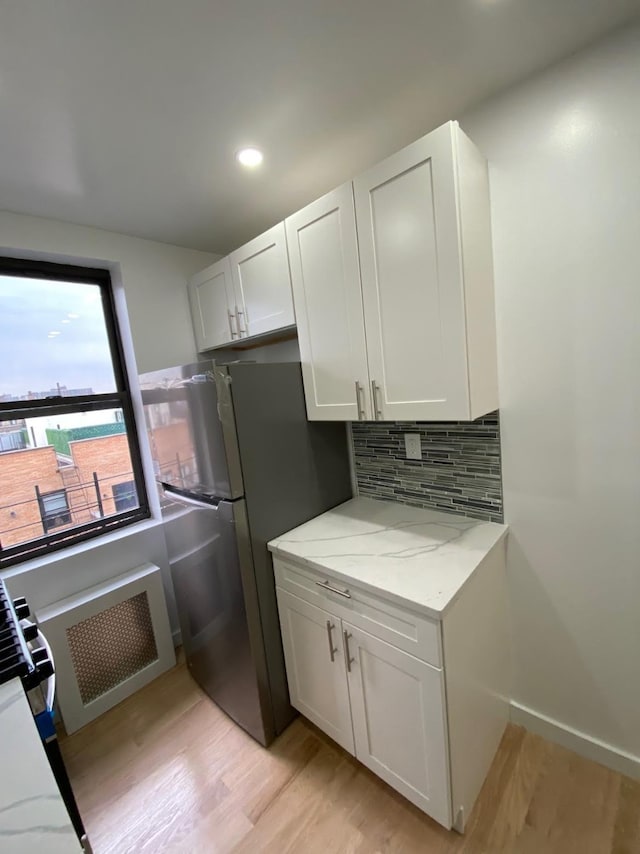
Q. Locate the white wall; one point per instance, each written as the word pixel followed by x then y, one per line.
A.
pixel 564 153
pixel 150 285
pixel 154 276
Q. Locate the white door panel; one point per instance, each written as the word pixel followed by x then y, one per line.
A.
pixel 325 273
pixel 315 669
pixel 213 306
pixel 262 283
pixel 412 284
pixel 397 704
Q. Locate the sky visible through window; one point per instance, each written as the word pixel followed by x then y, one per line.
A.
pixel 52 335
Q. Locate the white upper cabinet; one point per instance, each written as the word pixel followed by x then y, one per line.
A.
pixel 427 280
pixel 262 284
pixel 325 274
pixel 392 281
pixel 213 306
pixel 394 300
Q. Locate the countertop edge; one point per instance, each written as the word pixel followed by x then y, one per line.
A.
pixel 412 604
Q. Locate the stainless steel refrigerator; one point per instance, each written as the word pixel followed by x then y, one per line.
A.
pixel 237 463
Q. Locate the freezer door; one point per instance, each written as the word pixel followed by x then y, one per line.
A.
pixel 210 561
pixel 191 428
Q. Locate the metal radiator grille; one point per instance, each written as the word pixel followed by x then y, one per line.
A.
pixel 110 647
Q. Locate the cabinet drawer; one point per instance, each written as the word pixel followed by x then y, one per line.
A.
pixel 413 633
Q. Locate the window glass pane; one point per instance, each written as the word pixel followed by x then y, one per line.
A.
pixel 53 334
pixel 55 510
pixel 63 471
pixel 125 495
pixel 55 501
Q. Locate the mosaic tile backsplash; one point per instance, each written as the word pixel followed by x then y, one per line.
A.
pixel 460 471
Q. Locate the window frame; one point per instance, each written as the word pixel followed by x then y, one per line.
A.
pixel 59 405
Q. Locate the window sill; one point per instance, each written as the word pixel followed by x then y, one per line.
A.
pixel 79 549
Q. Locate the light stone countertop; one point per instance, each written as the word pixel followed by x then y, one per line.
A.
pixel 33 816
pixel 420 558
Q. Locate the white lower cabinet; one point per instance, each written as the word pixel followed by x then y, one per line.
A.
pixel 421 701
pixel 378 702
pixel 397 708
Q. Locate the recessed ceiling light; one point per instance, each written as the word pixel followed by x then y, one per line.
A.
pixel 250 157
pixel 54 332
pixel 73 316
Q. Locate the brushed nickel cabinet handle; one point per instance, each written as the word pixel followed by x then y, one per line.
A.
pixel 241 313
pixel 361 412
pixel 326 586
pixel 232 318
pixel 375 388
pixel 332 649
pixel 347 655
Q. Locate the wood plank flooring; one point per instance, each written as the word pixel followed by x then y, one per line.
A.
pixel 167 771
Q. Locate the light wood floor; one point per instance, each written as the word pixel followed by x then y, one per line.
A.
pixel 167 771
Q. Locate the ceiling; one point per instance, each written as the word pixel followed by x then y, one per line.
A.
pixel 126 114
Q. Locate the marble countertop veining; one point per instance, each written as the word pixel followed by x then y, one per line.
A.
pixel 419 557
pixel 33 816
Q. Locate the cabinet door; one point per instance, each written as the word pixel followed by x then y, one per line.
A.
pixel 397 704
pixel 314 657
pixel 325 274
pixel 407 217
pixel 212 306
pixel 262 283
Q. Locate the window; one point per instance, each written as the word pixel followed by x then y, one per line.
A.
pixel 54 509
pixel 69 459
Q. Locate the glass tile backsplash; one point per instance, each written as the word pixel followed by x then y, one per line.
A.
pixel 460 470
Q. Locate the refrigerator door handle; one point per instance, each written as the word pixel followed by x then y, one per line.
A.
pixel 185 499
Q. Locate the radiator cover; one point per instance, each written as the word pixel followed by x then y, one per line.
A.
pixel 108 641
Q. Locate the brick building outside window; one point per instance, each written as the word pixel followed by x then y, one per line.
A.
pixel 43 490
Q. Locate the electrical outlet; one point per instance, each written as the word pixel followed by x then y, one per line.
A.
pixel 413 446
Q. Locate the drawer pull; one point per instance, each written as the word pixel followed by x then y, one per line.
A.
pixel 332 649
pixel 326 586
pixel 346 635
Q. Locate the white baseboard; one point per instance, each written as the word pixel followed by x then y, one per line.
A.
pixel 581 743
pixel 177 638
